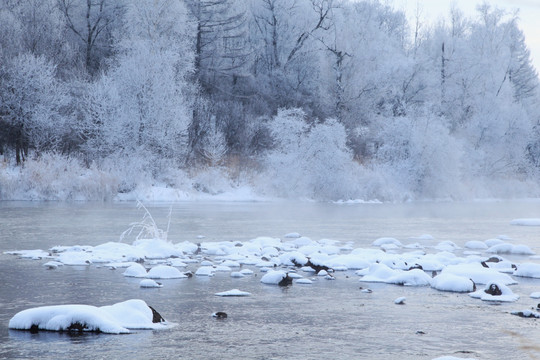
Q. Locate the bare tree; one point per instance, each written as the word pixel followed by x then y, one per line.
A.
pixel 91 24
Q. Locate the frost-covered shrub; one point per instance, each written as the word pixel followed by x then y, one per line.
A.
pixel 211 180
pixel 310 162
pixel 421 157
pixel 55 177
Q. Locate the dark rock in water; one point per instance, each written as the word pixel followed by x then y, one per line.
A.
pixel 296 263
pixel 493 259
pixel 220 315
pixel 416 266
pixel 473 285
pixel 188 274
pixel 286 281
pixel 156 317
pixel 34 329
pixel 493 290
pixel 526 314
pixel 77 326
pixel 315 267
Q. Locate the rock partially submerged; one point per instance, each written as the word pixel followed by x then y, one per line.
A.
pixel 119 318
pixel 495 292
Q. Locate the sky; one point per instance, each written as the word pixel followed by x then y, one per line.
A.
pixel 529 16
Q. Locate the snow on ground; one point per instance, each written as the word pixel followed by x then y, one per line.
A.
pixel 119 318
pixel 166 194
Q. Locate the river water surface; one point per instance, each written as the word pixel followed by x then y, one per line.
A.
pixel 325 320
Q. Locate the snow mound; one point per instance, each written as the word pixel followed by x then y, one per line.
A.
pixel 233 292
pixel 29 254
pixel 114 319
pixel 273 277
pixel 503 294
pixel 476 245
pixel 479 274
pixel 530 270
pixel 451 282
pixel 165 272
pixel 526 222
pixel 506 248
pixel 383 273
pixel 149 283
pixel 205 271
pixel 136 270
pixel 387 241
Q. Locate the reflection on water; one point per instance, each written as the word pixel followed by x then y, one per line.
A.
pixel 328 319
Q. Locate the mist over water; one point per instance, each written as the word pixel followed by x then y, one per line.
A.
pixel 328 319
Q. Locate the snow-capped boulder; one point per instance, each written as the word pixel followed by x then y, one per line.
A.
pixel 114 319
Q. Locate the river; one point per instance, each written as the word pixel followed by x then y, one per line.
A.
pixel 325 320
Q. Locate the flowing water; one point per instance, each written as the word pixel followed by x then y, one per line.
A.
pixel 325 320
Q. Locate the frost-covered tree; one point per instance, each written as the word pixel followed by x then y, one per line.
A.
pixel 214 146
pixel 91 23
pixel 143 103
pixel 222 55
pixel 310 161
pixel 31 102
pixel 420 158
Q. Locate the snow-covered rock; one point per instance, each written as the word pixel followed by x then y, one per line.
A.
pixel 136 270
pixel 149 283
pixel 387 241
pixel 165 272
pixel 476 245
pixel 506 248
pixel 495 292
pixel 531 270
pixel 526 222
pixel 451 282
pixel 479 274
pixel 205 271
pixel 233 292
pixel 273 277
pixel 114 319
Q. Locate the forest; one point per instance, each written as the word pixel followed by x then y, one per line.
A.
pixel 306 99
